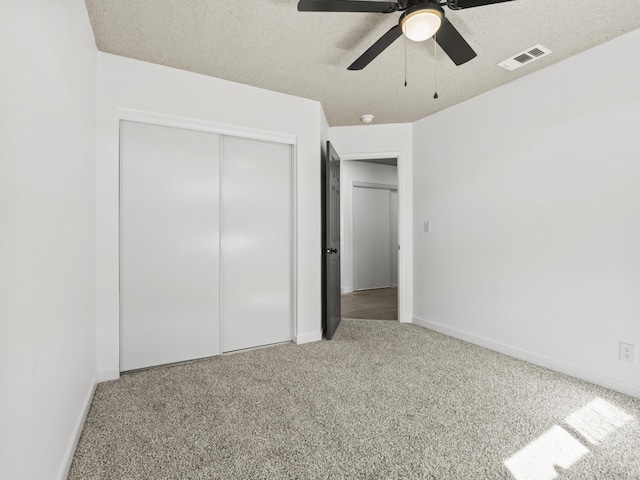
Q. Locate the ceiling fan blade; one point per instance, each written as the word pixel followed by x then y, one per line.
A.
pixel 377 48
pixel 453 44
pixel 346 6
pixel 462 4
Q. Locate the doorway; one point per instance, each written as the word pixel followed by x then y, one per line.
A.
pixel 370 239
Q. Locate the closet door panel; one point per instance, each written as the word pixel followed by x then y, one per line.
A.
pixel 169 215
pixel 256 243
pixel 371 238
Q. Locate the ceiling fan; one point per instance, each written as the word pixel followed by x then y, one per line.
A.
pixel 421 20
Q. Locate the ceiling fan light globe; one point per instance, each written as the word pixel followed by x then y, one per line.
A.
pixel 422 23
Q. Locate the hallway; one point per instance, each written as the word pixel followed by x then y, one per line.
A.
pixel 376 304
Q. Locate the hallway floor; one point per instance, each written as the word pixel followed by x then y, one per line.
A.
pixel 378 304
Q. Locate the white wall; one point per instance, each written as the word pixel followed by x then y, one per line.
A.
pixel 354 171
pixel 47 233
pixel 384 141
pixel 324 131
pixel 533 191
pixel 131 84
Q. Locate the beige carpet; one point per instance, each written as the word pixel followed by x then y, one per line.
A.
pixel 377 304
pixel 383 400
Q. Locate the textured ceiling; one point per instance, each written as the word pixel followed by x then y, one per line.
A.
pixel 269 44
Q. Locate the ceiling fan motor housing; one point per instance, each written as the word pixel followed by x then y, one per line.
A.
pixel 421 21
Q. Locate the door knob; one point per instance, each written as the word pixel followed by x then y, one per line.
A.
pixel 332 250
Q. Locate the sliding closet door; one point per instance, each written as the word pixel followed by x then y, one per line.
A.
pixel 255 256
pixel 371 238
pixel 169 215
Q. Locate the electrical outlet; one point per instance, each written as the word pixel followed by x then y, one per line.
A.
pixel 627 352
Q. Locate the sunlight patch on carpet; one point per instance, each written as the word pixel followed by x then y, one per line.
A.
pixel 597 420
pixel 557 447
pixel 537 461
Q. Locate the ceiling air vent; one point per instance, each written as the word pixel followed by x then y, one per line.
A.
pixel 522 58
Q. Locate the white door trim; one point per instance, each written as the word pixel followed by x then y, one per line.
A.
pixel 203 126
pixel 381 186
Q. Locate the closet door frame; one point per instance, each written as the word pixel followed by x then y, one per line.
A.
pixel 228 130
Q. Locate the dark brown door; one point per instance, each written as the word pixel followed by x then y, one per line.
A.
pixel 330 241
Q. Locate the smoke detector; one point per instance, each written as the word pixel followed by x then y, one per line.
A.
pixel 366 118
pixel 529 55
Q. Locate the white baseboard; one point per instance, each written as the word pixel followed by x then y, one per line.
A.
pixel 307 338
pixel 77 431
pixel 541 360
pixel 344 290
pixel 107 375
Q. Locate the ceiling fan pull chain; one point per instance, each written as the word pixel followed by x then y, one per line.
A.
pixel 435 70
pixel 405 61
